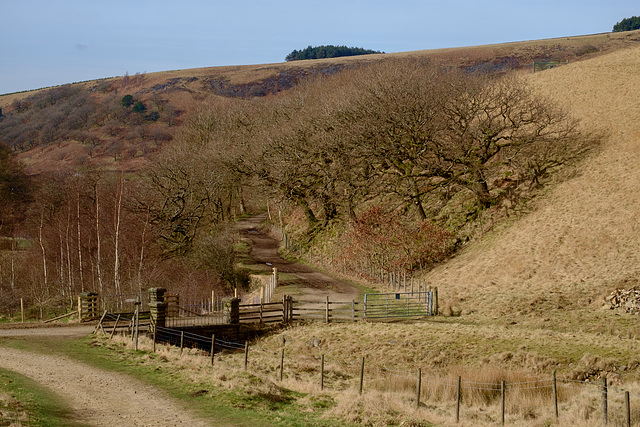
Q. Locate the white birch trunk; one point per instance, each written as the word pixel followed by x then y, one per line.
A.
pixel 118 210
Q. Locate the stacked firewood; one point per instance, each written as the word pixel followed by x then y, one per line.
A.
pixel 626 299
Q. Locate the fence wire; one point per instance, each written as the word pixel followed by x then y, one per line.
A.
pixel 376 372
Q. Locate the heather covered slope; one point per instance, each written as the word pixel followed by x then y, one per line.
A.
pixel 583 238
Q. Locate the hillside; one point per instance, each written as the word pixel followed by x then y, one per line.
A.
pixel 582 240
pixel 127 145
pixel 578 244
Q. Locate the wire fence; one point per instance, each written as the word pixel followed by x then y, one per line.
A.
pixel 419 386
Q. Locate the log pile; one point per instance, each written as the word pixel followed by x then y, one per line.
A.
pixel 626 299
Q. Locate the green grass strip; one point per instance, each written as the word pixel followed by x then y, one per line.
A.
pixel 25 402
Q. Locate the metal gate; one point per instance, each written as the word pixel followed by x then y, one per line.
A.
pixel 408 304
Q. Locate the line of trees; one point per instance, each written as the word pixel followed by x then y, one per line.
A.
pixel 433 144
pixel 627 24
pixel 102 232
pixel 327 51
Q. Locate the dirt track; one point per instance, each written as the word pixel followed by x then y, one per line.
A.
pixel 313 285
pixel 98 398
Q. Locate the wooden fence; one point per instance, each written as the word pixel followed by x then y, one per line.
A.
pixel 375 307
pixel 88 306
pixel 326 311
pixel 271 312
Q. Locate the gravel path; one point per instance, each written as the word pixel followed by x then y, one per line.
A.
pixel 98 398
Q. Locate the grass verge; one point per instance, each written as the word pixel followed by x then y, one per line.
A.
pixel 25 402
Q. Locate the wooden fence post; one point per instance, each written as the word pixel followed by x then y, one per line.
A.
pixel 322 372
pixel 154 338
pixel 605 419
pixel 418 388
pixel 115 326
pixel 435 301
pixel 281 363
pixel 502 401
pixel 554 386
pixel 361 374
pixel 137 330
pixel 458 398
pixel 22 311
pixel 284 309
pixel 99 325
pixel 213 347
pixel 627 409
pixel 246 354
pixel 326 312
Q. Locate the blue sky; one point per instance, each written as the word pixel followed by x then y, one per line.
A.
pixel 50 42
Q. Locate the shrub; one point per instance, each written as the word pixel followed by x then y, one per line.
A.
pixel 127 101
pixel 389 241
pixel 139 107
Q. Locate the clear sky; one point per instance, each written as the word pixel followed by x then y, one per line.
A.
pixel 51 42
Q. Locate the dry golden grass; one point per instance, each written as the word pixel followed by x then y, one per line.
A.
pixel 583 238
pixel 389 392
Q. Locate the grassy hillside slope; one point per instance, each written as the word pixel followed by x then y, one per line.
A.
pixel 583 238
pixel 128 144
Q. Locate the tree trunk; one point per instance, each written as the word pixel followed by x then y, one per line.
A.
pixel 481 190
pixel 142 244
pixel 45 278
pixel 312 221
pixel 13 269
pixel 68 254
pixel 98 261
pixel 118 210
pixel 80 271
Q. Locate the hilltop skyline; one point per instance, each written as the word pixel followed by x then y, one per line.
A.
pixel 53 43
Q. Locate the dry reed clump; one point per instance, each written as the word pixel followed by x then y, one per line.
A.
pixel 527 360
pixel 374 409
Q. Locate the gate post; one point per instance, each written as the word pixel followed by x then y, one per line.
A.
pixel 435 301
pixel 157 307
pixel 88 306
pixel 231 311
